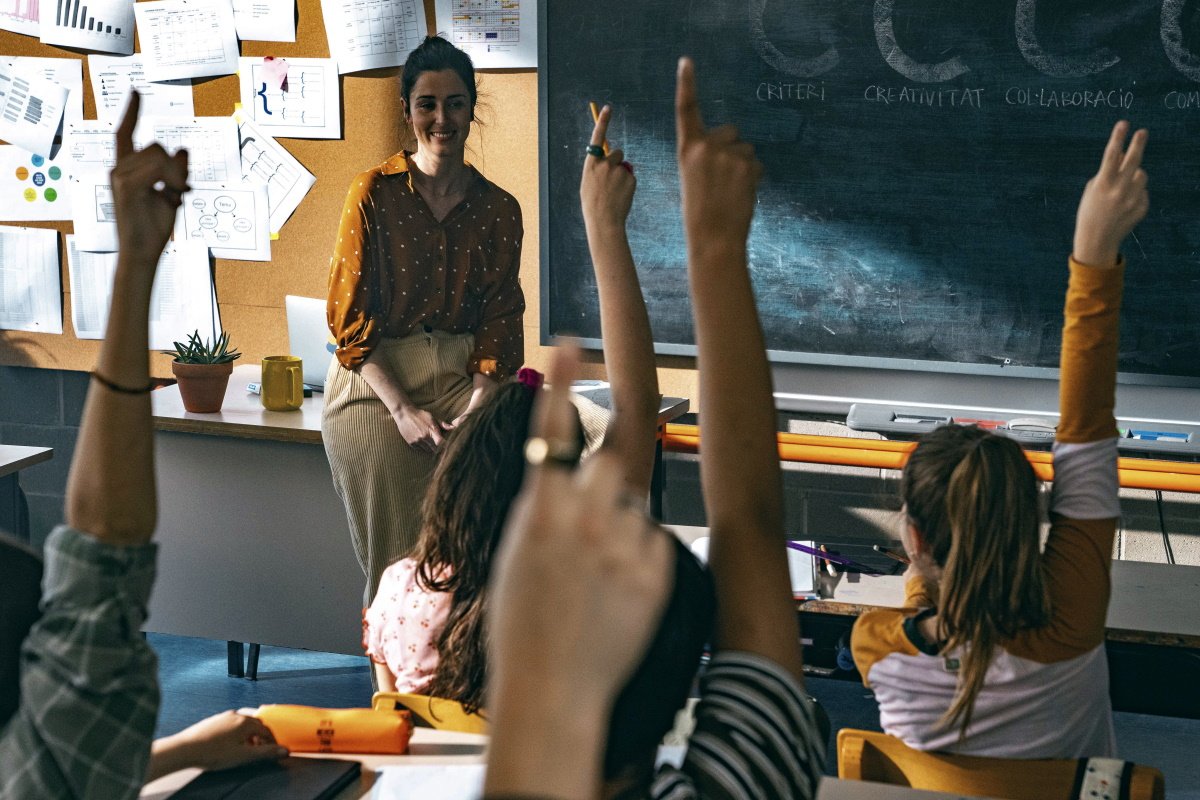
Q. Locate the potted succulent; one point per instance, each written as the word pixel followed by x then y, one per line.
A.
pixel 203 369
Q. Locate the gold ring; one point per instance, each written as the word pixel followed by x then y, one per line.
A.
pixel 552 452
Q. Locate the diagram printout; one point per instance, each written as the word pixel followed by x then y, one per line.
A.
pixel 496 33
pixel 266 161
pixel 232 220
pixel 306 106
pixel 187 38
pixel 112 76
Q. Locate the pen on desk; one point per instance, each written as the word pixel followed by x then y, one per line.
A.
pixel 892 554
pixel 596 118
pixel 829 568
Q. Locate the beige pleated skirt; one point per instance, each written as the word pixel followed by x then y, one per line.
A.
pixel 379 476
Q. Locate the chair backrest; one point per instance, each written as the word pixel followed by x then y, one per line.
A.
pixel 870 756
pixel 435 712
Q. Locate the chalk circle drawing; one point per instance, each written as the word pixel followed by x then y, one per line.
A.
pixel 906 65
pixel 1052 65
pixel 1172 38
pixel 792 65
pixel 225 204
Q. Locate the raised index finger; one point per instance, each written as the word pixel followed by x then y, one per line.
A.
pixel 601 130
pixel 688 123
pixel 125 129
pixel 1115 149
pixel 1133 156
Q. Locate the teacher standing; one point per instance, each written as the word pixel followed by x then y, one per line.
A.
pixel 425 307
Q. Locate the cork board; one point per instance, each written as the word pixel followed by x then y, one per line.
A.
pixel 250 294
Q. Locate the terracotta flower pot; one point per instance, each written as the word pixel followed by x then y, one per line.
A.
pixel 202 386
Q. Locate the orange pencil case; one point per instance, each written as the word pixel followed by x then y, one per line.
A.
pixel 305 729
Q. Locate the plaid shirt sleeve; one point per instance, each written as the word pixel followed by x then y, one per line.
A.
pixel 89 688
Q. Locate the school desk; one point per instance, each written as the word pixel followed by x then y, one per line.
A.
pixel 14 514
pixel 255 544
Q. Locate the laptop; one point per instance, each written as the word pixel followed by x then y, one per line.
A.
pixel 309 338
pixel 287 779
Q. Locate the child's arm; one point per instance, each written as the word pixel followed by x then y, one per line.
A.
pixel 1085 505
pixel 606 193
pixel 739 465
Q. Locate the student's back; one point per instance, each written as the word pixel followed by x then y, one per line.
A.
pixel 1001 650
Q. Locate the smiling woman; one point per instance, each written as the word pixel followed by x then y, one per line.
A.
pixel 424 304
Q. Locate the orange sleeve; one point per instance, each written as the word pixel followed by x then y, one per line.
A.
pixel 920 592
pixel 500 339
pixel 357 306
pixel 1088 371
pixel 875 636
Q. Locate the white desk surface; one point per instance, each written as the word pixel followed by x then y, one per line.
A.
pixel 243 415
pixel 14 458
pixel 835 789
pixel 427 747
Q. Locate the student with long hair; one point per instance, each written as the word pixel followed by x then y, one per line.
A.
pixel 1002 650
pixel 585 586
pixel 425 630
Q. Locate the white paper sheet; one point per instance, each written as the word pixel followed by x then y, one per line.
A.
pixel 182 300
pixel 90 145
pixel 211 142
pixel 20 16
pixel 422 781
pixel 66 72
pixel 104 25
pixel 30 291
pixel 309 109
pixel 93 212
pixel 496 34
pixel 265 20
pixel 113 75
pixel 187 38
pixel 231 219
pixel 32 187
pixel 31 108
pixel 265 161
pixel 367 34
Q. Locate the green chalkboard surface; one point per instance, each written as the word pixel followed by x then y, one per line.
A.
pixel 923 162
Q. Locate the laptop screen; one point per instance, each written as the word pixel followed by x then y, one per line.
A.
pixel 308 337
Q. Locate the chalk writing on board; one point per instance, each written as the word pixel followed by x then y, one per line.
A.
pixel 920 96
pixel 800 67
pixel 1172 39
pixel 1179 101
pixel 768 91
pixel 906 65
pixel 1054 65
pixel 1051 98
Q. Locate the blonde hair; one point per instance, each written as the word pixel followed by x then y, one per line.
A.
pixel 972 495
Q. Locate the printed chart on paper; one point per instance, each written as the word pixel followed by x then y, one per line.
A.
pixel 487 21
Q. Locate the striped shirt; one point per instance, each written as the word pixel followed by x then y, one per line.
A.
pixel 89 682
pixel 756 736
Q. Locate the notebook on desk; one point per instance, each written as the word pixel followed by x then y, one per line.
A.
pixel 286 779
pixel 308 338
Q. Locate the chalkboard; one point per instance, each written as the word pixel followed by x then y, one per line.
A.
pixel 923 162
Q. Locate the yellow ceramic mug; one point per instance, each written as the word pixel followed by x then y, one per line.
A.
pixel 282 383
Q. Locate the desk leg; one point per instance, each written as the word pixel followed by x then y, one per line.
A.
pixel 14 510
pixel 657 480
pixel 252 663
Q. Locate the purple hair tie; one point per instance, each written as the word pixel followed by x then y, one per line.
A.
pixel 530 378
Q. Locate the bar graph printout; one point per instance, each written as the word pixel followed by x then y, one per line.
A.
pixel 66 72
pixel 266 161
pixel 31 108
pixel 496 34
pixel 20 16
pixel 104 25
pixel 308 106
pixel 187 38
pixel 30 291
pixel 112 76
pixel 368 34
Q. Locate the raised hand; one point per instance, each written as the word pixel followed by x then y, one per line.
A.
pixel 147 187
pixel 1114 201
pixel 718 173
pixel 606 189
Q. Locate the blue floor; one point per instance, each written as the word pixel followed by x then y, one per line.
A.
pixel 195 685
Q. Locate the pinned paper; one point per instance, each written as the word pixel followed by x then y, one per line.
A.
pixel 30 289
pixel 33 187
pixel 309 105
pixel 275 73
pixel 31 108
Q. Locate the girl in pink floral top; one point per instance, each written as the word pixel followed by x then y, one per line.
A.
pixel 400 629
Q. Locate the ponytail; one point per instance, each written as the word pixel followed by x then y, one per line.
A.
pixel 973 497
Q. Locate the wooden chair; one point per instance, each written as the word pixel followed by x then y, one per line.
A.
pixel 434 712
pixel 869 756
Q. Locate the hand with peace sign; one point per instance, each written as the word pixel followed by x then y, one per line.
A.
pixel 1114 201
pixel 147 187
pixel 718 173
